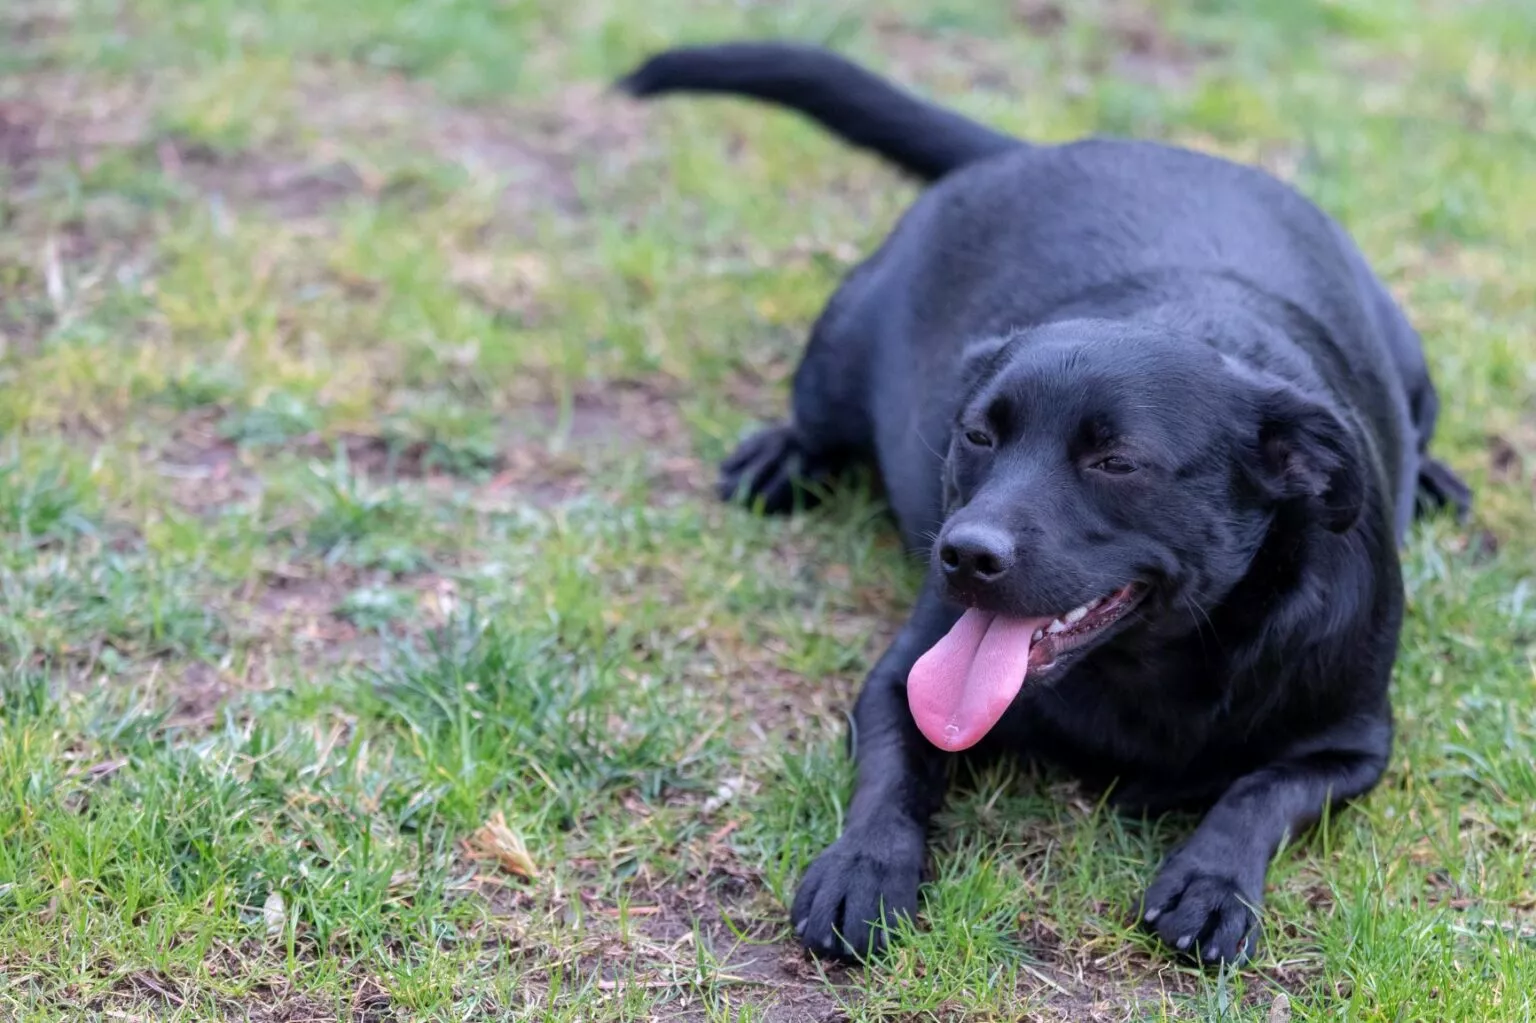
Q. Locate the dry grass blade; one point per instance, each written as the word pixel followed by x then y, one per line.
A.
pixel 496 841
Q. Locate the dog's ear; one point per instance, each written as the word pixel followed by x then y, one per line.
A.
pixel 979 359
pixel 1304 451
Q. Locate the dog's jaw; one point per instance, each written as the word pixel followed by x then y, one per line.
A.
pixel 1082 626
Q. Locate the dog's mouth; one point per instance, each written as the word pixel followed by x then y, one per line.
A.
pixel 962 686
pixel 1078 627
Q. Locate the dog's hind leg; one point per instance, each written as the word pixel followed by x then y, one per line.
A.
pixel 1438 485
pixel 787 465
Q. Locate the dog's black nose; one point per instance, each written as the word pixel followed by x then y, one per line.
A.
pixel 975 552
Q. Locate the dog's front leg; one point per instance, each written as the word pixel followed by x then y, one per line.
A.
pixel 1205 899
pixel 870 875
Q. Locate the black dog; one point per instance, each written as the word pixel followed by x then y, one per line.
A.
pixel 1168 430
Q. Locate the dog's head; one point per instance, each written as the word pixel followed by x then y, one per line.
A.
pixel 1103 479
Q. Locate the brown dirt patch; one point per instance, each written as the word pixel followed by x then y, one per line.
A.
pixel 1511 453
pixel 55 115
pixel 1145 51
pixel 145 995
pixel 1137 44
pixel 384 458
pixel 206 471
pixel 550 451
pixel 19 129
pixel 946 61
pixel 198 693
pixel 24 23
pixel 55 268
pixel 764 968
pixel 669 931
pixel 296 609
pixel 287 188
pixel 557 450
pixel 532 147
pixel 1042 17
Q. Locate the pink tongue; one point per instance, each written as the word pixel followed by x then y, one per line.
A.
pixel 960 687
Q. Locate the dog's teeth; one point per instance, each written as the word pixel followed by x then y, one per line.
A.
pixel 1038 636
pixel 1095 602
pixel 1057 626
pixel 1077 614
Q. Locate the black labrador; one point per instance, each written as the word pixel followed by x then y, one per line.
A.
pixel 1161 431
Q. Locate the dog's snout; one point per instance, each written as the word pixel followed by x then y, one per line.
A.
pixel 976 553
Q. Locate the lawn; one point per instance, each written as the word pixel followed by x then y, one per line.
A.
pixel 372 647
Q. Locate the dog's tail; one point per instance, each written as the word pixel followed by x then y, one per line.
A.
pixel 856 104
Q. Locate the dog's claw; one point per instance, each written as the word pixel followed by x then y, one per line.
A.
pixel 854 890
pixel 1202 911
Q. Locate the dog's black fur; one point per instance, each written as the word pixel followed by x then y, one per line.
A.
pixel 1113 362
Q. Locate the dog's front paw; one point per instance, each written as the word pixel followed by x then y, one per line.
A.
pixel 855 890
pixel 1200 908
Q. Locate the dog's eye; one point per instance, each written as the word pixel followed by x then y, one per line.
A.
pixel 1115 465
pixel 978 438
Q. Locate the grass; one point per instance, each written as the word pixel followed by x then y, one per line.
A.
pixel 361 368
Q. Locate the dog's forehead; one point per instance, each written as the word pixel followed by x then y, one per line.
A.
pixel 1128 382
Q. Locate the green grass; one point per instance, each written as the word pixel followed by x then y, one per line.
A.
pixel 361 368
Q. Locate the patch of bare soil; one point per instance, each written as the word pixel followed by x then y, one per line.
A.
pixel 1140 47
pixel 145 995
pixel 285 187
pixel 550 452
pixel 206 471
pixel 557 450
pixel 670 930
pixel 533 147
pixel 57 115
pixel 658 942
pixel 197 693
pixel 19 129
pixel 1145 51
pixel 1512 454
pixel 945 60
pixel 23 23
pixel 302 607
pixel 53 270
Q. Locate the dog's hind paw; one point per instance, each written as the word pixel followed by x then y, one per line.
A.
pixel 771 469
pixel 1440 487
